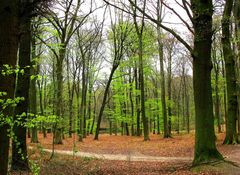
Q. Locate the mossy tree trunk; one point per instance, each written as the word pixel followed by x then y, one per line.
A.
pixel 33 90
pixel 59 92
pixel 205 146
pixel 236 13
pixel 216 68
pixel 231 79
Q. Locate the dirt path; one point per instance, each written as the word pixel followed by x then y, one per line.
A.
pixel 124 157
pixel 134 157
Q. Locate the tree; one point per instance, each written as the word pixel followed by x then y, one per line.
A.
pixel 19 146
pixel 202 11
pixel 139 30
pixel 231 79
pixel 8 56
pixel 65 27
pixel 163 87
pixel 118 35
pixel 205 147
pixel 33 90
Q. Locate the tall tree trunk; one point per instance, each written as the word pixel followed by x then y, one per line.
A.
pixel 231 79
pixel 131 103
pixel 160 53
pixel 33 91
pixel 186 103
pixel 142 90
pixel 59 92
pixel 8 55
pixel 236 13
pixel 19 146
pixel 163 94
pixel 217 98
pixel 205 147
pixel 94 112
pixel 224 93
pixel 70 96
pixel 169 93
pixel 137 99
pixel 83 101
pixel 40 91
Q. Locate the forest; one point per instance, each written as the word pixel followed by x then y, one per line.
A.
pixel 119 87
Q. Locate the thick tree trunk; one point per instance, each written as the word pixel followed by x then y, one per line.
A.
pixel 205 146
pixel 8 55
pixel 231 79
pixel 19 146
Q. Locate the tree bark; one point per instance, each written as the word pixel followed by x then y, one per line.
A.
pixel 19 146
pixel 163 94
pixel 33 90
pixel 231 79
pixel 104 101
pixel 205 146
pixel 8 55
pixel 59 92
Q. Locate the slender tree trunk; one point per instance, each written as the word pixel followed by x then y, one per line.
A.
pixel 33 91
pixel 40 91
pixel 169 93
pixel 142 90
pixel 19 146
pixel 104 101
pixel 137 99
pixel 94 113
pixel 70 96
pixel 186 103
pixel 131 103
pixel 163 95
pixel 217 98
pixel 224 94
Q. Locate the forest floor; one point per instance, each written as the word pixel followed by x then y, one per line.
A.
pixel 126 155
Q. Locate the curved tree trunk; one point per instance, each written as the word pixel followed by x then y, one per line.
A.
pixel 104 102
